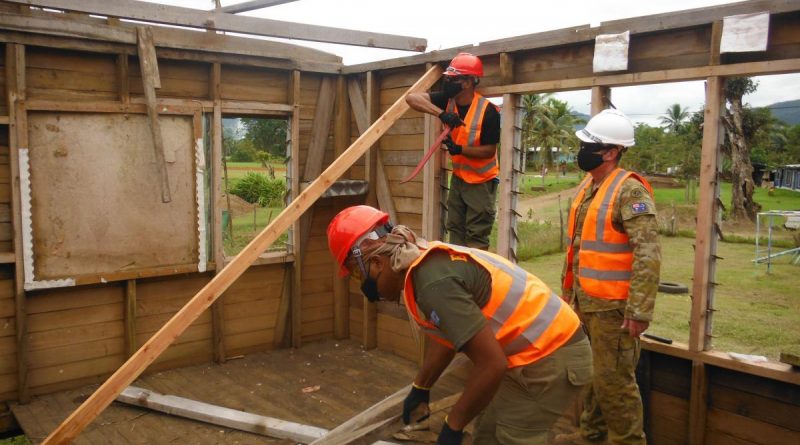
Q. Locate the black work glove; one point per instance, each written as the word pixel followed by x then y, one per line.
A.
pixel 415 397
pixel 448 436
pixel 450 119
pixel 452 147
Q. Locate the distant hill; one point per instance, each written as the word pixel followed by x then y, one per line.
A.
pixel 788 111
pixel 583 116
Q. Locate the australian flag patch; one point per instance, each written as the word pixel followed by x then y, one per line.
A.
pixel 638 207
pixel 434 318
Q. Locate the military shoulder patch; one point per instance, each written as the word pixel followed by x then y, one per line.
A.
pixel 639 207
pixel 636 193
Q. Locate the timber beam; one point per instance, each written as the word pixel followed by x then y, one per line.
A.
pixel 220 21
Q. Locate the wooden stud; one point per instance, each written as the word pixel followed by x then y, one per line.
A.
pixel 601 99
pixel 130 318
pixel 218 242
pixel 173 15
pixel 384 194
pixel 151 81
pixel 506 68
pixel 371 159
pixel 294 169
pixel 698 404
pixel 123 86
pixel 341 139
pixel 716 40
pixel 18 139
pixel 341 305
pixel 505 208
pixel 707 216
pixel 281 338
pixel 432 177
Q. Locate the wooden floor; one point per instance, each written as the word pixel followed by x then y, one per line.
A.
pixel 271 384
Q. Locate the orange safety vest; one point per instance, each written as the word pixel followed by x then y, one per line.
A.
pixel 527 318
pixel 605 257
pixel 472 170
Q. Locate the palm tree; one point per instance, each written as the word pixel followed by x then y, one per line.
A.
pixel 674 118
pixel 547 122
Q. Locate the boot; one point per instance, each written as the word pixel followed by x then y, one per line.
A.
pixel 576 438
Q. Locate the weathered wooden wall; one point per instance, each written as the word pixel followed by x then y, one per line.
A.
pixel 78 335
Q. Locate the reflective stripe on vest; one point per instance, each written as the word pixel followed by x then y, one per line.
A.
pixel 472 170
pixel 528 320
pixel 605 255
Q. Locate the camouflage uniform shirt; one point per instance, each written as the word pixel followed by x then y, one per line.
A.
pixel 634 214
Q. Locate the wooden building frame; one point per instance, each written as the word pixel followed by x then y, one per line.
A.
pixel 332 107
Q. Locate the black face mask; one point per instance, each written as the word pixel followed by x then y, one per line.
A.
pixel 588 160
pixel 369 288
pixel 451 89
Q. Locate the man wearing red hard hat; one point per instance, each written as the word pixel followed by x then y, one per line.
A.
pixel 531 358
pixel 472 144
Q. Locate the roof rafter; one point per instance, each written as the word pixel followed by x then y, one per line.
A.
pixel 252 5
pixel 193 18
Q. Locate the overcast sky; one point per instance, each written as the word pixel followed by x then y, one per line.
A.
pixel 447 24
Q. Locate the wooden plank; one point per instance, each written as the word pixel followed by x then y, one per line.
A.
pixel 217 318
pixel 294 170
pixel 18 139
pixel 150 79
pixel 743 427
pixel 252 5
pixel 716 39
pixel 123 87
pixel 341 120
pixel 130 318
pixel 698 404
pixel 133 367
pixel 648 77
pixel 282 339
pixel 506 68
pixel 504 205
pixel 359 108
pixel 707 215
pixel 373 105
pixel 192 18
pixel 601 99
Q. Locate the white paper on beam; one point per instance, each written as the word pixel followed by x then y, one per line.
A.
pixel 745 33
pixel 611 52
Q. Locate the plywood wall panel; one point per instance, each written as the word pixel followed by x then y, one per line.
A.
pixel 69 75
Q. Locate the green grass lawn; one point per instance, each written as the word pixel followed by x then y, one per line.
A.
pixel 237 170
pixel 531 184
pixel 246 227
pixel 756 312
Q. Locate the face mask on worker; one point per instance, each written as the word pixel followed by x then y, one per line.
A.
pixel 369 287
pixel 452 88
pixel 588 158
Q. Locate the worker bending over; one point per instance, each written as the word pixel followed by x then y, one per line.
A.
pixel 472 144
pixel 611 277
pixel 531 358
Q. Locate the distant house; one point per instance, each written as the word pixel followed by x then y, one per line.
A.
pixel 788 177
pixel 559 155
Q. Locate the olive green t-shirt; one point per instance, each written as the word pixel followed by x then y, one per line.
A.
pixel 450 291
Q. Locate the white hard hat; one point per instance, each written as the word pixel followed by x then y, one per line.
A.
pixel 608 127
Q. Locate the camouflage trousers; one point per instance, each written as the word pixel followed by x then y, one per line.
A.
pixel 470 212
pixel 532 398
pixel 613 405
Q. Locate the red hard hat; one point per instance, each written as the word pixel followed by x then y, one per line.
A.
pixel 465 64
pixel 348 226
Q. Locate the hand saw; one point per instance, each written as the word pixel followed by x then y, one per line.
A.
pixel 435 147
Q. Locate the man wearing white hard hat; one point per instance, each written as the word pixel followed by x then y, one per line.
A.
pixel 611 276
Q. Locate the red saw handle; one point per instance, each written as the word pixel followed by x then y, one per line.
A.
pixel 435 147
